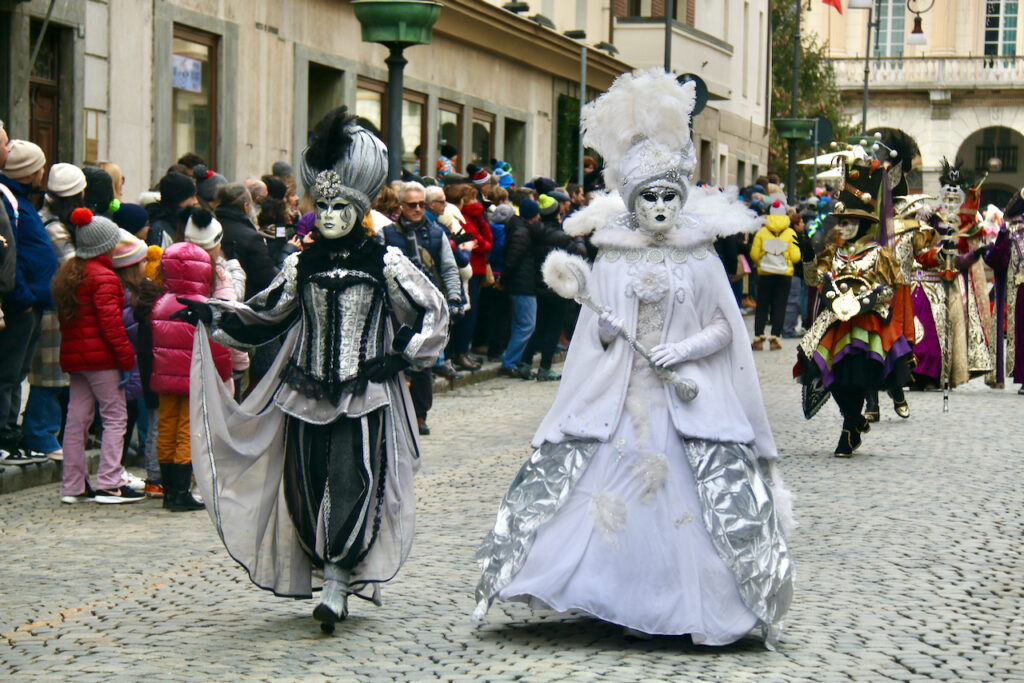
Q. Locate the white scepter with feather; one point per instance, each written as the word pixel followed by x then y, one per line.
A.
pixel 568 276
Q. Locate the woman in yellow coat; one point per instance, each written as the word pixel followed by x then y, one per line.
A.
pixel 774 251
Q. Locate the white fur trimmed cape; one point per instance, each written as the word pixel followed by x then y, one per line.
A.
pixel 592 392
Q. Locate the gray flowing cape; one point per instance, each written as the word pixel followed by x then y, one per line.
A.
pixel 238 452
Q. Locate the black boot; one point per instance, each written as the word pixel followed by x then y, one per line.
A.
pixel 871 406
pixel 850 438
pixel 183 500
pixel 170 485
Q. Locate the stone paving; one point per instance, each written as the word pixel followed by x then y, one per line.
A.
pixel 908 558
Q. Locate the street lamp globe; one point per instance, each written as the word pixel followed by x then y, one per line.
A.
pixel 917 36
pixel 995 164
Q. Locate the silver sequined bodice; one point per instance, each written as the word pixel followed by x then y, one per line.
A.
pixel 343 321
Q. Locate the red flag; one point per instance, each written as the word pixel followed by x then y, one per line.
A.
pixel 838 4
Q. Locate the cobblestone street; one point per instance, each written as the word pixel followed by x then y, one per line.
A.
pixel 908 557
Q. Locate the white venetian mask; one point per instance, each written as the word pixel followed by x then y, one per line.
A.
pixel 335 217
pixel 847 228
pixel 657 206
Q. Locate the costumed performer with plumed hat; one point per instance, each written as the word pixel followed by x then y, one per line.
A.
pixel 649 500
pixel 309 481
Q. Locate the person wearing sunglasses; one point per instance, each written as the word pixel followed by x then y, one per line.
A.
pixel 424 243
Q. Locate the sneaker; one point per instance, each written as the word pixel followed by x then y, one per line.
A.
pixel 20 456
pixel 153 489
pixel 57 455
pixel 119 495
pixel 88 496
pixel 421 425
pixel 524 371
pixel 131 481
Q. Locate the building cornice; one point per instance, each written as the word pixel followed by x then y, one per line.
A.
pixel 491 29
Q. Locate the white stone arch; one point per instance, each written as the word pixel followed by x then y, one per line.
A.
pixel 999 150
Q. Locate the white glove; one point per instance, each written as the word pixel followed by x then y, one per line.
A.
pixel 608 326
pixel 666 355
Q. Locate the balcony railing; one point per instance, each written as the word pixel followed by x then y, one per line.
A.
pixel 923 73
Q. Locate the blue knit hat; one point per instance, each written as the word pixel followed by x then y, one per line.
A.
pixel 528 209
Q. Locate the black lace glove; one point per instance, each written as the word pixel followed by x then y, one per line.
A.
pixel 383 369
pixel 195 312
pixel 403 336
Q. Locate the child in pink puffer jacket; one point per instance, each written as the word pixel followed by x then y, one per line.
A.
pixel 187 272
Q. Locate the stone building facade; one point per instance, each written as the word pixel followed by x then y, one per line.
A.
pixel 959 96
pixel 241 82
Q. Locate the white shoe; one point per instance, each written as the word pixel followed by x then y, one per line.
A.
pixel 57 455
pixel 88 497
pixel 131 481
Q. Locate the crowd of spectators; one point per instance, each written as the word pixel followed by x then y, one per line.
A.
pixel 89 284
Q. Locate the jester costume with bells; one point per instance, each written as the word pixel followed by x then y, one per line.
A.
pixel 649 500
pixel 859 341
pixel 309 480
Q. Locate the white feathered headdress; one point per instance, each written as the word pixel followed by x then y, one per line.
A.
pixel 641 127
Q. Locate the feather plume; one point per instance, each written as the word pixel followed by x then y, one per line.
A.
pixel 593 216
pixel 643 105
pixel 567 275
pixel 331 139
pixel 904 146
pixel 609 515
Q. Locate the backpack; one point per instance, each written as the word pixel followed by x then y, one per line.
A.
pixel 774 261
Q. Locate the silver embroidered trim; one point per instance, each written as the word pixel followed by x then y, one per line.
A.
pixel 538 491
pixel 653 254
pixel 736 508
pixel 738 512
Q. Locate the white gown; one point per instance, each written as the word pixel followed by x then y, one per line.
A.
pixel 628 545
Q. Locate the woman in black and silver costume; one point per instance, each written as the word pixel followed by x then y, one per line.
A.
pixel 310 478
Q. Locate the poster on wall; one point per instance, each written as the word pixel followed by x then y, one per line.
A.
pixel 187 74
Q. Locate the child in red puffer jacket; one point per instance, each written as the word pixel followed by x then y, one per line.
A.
pixel 96 353
pixel 187 272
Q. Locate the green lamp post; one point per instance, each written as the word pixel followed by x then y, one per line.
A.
pixel 793 130
pixel 396 24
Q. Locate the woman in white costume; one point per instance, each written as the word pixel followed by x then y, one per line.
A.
pixel 642 505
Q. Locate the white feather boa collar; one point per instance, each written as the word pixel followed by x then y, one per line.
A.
pixel 707 215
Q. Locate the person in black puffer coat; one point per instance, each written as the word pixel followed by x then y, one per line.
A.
pixel 550 306
pixel 519 279
pixel 242 240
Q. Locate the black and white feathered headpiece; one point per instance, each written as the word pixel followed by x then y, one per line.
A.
pixel 344 159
